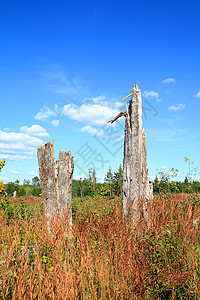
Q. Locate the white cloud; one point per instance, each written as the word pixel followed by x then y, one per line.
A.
pixel 169 80
pixel 35 130
pixel 14 157
pixel 119 139
pixel 198 94
pixel 56 108
pixel 163 167
pixel 89 113
pixel 17 146
pixel 32 173
pixel 55 123
pixel 98 99
pixel 151 95
pixel 94 111
pixel 14 172
pixel 119 104
pixel 92 130
pixel 6 129
pixel 46 112
pixel 177 107
pixel 13 138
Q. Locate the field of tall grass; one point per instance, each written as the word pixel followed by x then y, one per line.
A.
pixel 100 256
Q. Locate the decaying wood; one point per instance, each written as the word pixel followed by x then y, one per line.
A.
pixel 121 114
pixel 145 178
pixel 127 96
pixel 132 164
pixel 136 86
pixel 136 190
pixel 47 179
pixel 65 167
pixel 55 179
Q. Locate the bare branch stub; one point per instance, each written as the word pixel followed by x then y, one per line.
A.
pixel 121 114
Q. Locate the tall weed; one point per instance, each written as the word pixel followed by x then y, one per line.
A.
pixel 100 257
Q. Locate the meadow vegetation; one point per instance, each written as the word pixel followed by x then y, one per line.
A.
pixel 100 256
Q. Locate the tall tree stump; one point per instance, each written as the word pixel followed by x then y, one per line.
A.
pixel 136 187
pixel 56 180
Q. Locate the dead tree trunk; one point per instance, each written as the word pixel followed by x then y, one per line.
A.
pixel 136 188
pixel 132 164
pixel 56 180
pixel 65 167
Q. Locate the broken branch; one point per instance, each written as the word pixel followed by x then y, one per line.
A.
pixel 121 114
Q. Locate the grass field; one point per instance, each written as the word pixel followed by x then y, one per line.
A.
pixel 100 256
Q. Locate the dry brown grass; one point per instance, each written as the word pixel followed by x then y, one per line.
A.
pixel 100 257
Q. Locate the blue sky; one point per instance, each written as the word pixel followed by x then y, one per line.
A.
pixel 69 63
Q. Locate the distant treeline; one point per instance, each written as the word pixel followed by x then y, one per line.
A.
pixel 28 188
pixel 111 186
pixel 164 186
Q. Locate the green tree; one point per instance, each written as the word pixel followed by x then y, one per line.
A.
pixel 118 181
pixel 156 185
pixel 90 175
pixel 192 173
pixel 109 182
pixel 10 187
pixel 35 181
pixel 94 180
pixel 166 183
pixel 36 190
pixel 26 182
pixel 87 188
pixel 104 191
pixel 196 186
pixel 77 187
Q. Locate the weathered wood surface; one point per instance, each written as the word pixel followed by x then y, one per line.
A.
pixel 65 169
pixel 136 187
pixel 55 179
pixel 145 178
pixel 47 179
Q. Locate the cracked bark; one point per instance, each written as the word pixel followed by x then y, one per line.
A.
pixel 136 188
pixel 56 180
